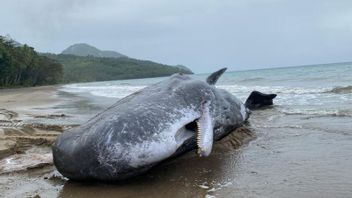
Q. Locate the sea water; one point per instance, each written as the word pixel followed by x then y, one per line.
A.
pixel 324 90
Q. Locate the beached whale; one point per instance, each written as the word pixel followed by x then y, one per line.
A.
pixel 158 122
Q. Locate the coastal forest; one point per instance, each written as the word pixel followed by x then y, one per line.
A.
pixel 21 66
pixel 90 68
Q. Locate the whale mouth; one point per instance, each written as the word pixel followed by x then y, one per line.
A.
pixel 193 126
pixel 189 130
pixel 202 128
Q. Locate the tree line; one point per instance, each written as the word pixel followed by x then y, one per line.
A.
pixel 22 66
pixel 90 68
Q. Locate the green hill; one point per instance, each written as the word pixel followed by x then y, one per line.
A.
pixel 21 65
pixel 82 49
pixel 90 68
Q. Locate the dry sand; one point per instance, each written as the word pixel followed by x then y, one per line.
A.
pixel 25 137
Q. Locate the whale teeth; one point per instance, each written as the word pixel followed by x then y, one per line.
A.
pixel 199 137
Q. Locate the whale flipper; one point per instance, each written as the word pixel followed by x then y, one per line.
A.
pixel 213 78
pixel 257 100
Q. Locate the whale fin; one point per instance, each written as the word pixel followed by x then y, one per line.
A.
pixel 257 100
pixel 213 78
pixel 204 132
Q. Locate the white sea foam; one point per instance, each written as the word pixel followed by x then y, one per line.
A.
pixel 120 90
pixel 111 91
pixel 317 112
pixel 273 89
pixel 298 96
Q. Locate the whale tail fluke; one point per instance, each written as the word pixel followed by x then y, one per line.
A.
pixel 258 100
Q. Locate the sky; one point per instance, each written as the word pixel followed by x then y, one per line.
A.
pixel 204 35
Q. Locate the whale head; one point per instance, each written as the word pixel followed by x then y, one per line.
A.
pixel 158 122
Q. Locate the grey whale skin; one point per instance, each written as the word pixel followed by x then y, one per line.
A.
pixel 158 122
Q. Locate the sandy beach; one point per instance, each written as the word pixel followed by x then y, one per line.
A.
pixel 17 106
pixel 276 155
pixel 29 124
pixel 26 167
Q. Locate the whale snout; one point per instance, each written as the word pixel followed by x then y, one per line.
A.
pixel 120 149
pixel 74 158
pixel 106 157
pixel 61 156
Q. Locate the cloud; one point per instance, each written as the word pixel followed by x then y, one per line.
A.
pixel 202 34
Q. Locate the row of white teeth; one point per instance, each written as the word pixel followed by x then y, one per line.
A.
pixel 199 137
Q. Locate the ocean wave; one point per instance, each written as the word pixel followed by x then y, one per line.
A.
pixel 111 91
pixel 316 112
pixel 315 78
pixel 341 90
pixel 252 79
pixel 273 89
pixel 278 127
pixel 121 90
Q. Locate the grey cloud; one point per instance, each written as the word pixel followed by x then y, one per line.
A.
pixel 201 34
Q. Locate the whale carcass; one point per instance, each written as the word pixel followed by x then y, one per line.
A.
pixel 158 122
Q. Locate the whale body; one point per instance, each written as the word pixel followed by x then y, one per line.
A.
pixel 158 122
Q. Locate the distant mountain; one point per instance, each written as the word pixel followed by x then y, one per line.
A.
pixel 83 49
pixel 85 63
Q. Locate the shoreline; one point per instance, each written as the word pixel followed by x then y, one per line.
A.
pixel 30 120
pixel 26 100
pixel 26 123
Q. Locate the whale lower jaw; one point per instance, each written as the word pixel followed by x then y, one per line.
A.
pixel 201 128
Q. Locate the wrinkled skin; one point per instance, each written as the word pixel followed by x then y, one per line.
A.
pixel 147 127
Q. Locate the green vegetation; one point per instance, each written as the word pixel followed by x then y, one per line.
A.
pixel 83 63
pixel 89 68
pixel 22 66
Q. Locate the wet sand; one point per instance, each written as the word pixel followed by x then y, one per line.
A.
pixel 274 156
